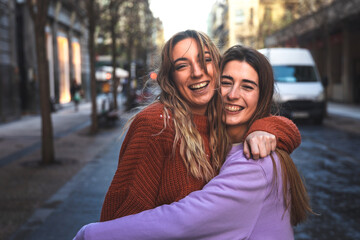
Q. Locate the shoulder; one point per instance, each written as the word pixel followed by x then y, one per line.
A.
pixel 152 114
pixel 150 119
pixel 268 165
pixel 238 162
pixel 263 166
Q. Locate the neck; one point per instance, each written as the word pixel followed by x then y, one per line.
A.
pixel 198 110
pixel 236 133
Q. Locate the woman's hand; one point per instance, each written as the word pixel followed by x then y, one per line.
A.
pixel 259 144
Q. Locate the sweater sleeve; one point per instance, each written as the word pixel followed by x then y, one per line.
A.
pixel 287 134
pixel 135 184
pixel 226 208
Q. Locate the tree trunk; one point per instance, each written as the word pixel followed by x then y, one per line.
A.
pixel 114 78
pixel 91 16
pixel 47 140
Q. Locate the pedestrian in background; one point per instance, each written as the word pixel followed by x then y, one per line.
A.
pixel 75 91
pixel 175 145
pixel 249 199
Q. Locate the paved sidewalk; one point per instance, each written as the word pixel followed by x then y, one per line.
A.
pixel 344 110
pixel 344 117
pixel 77 203
pixel 31 193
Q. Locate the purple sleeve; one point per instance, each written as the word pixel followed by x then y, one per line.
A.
pixel 226 208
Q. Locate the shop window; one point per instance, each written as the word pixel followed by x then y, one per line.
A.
pixel 64 71
pixel 76 60
pixel 239 16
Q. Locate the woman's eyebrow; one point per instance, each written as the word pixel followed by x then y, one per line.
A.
pixel 180 59
pixel 184 59
pixel 250 81
pixel 227 77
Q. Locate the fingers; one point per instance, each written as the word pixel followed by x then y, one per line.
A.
pixel 254 148
pixel 273 143
pixel 259 144
pixel 246 150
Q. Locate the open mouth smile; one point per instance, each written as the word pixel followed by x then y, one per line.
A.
pixel 233 108
pixel 199 86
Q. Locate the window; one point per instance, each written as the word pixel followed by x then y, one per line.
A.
pixel 239 16
pixel 251 17
pixel 290 74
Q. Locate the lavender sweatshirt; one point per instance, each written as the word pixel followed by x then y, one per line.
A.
pixel 240 203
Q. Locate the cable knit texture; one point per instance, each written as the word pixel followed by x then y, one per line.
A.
pixel 148 175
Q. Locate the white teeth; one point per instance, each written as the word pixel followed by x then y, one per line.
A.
pixel 198 85
pixel 233 108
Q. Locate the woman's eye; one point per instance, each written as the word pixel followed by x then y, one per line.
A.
pixel 248 87
pixel 178 67
pixel 226 83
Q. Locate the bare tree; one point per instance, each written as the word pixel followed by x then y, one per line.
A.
pixel 114 10
pixel 128 23
pixel 137 29
pixel 39 11
pixel 92 13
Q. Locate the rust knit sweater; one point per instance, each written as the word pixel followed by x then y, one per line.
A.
pixel 149 176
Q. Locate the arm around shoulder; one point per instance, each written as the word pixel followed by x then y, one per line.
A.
pixel 287 134
pixel 227 208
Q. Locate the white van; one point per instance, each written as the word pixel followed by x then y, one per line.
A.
pixel 299 90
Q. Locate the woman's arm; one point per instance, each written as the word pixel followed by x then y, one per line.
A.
pixel 135 184
pixel 226 208
pixel 287 134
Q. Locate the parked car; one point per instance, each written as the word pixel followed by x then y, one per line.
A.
pixel 299 90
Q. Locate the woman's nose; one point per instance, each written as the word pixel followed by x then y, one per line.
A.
pixel 197 70
pixel 234 93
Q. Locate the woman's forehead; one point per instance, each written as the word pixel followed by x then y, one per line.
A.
pixel 187 46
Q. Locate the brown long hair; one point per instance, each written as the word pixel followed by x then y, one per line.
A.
pixel 191 144
pixel 298 203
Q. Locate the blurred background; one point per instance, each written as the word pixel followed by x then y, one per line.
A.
pixel 98 56
pixel 128 36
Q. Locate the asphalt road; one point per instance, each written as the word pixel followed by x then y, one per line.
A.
pixel 329 161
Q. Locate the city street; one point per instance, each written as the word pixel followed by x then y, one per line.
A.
pixel 329 161
pixel 64 64
pixel 327 158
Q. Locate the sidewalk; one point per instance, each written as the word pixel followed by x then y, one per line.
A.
pixel 77 203
pixel 344 117
pixel 54 202
pixel 343 110
pixel 31 193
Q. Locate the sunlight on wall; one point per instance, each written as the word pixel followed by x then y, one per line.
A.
pixel 76 60
pixel 64 71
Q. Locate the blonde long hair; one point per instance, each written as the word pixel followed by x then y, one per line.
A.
pixel 192 149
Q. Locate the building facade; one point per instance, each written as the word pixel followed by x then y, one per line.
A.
pixel 67 53
pixel 9 72
pixel 332 33
pixel 248 22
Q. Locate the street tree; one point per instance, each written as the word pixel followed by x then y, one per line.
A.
pixel 39 11
pixel 113 9
pixel 137 29
pixel 92 15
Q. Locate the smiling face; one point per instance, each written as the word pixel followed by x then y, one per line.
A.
pixel 240 92
pixel 194 84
